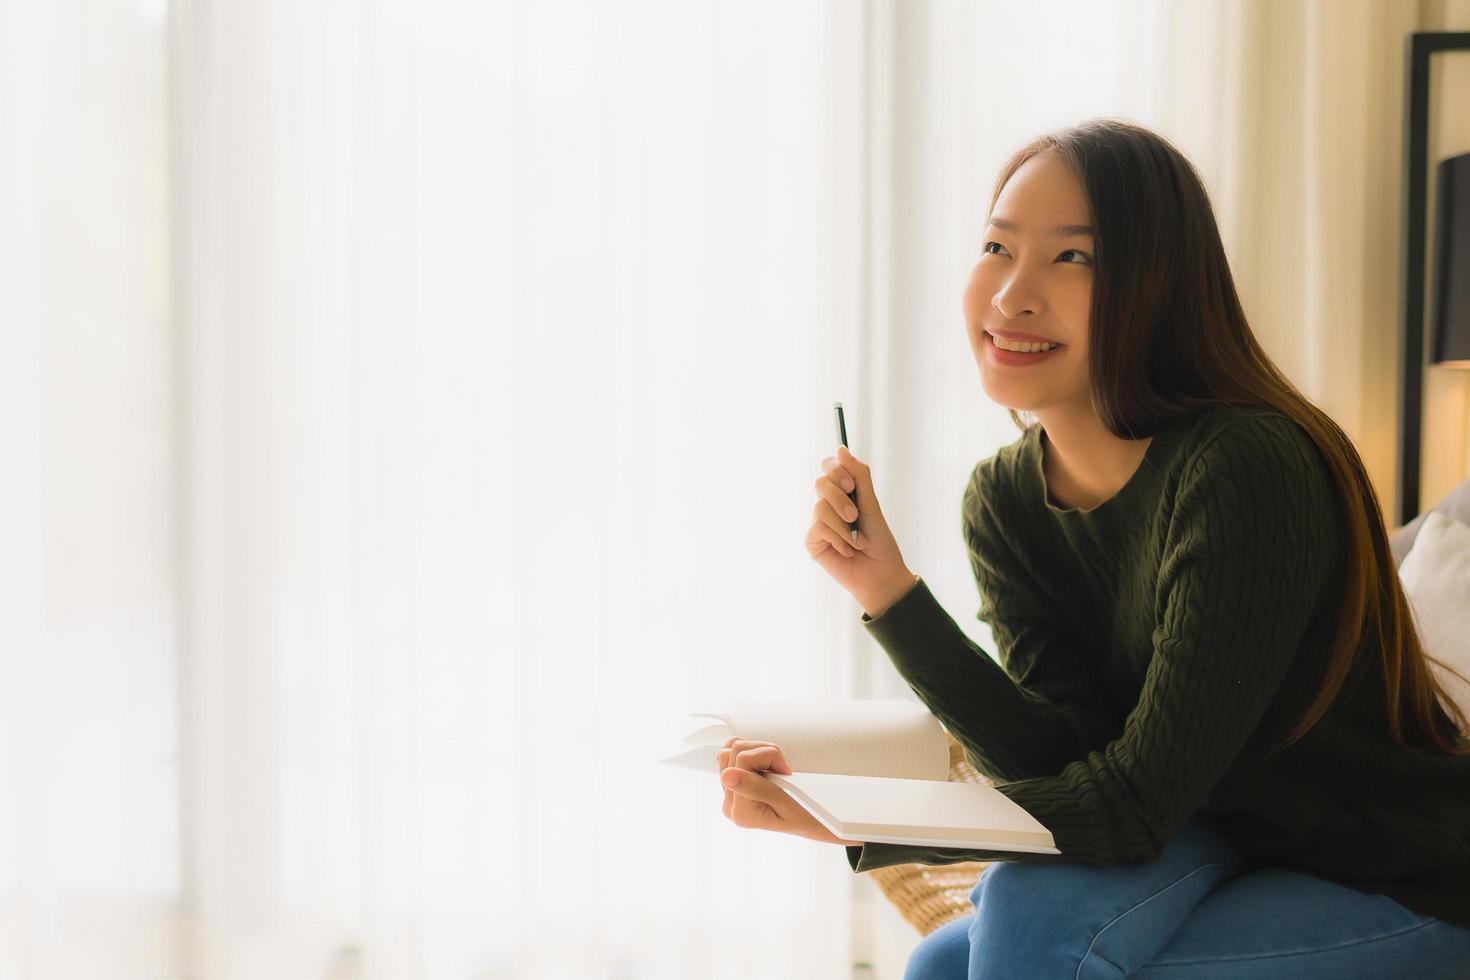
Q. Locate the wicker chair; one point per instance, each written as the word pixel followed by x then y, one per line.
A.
pixel 928 895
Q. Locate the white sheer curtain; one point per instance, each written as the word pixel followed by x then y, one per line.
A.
pixel 412 409
pixel 89 789
pixel 511 337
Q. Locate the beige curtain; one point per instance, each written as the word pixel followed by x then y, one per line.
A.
pixel 1306 144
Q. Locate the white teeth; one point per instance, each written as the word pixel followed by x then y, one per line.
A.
pixel 1022 346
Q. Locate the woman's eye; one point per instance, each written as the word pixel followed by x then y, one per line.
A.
pixel 1087 259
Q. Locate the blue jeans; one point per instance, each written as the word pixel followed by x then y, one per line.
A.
pixel 1197 912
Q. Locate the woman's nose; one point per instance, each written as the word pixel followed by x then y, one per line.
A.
pixel 1015 297
pixel 1011 303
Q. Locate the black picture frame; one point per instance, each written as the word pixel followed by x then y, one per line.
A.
pixel 1420 47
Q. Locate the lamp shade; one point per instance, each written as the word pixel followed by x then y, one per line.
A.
pixel 1450 303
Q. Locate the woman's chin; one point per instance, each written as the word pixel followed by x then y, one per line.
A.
pixel 1008 394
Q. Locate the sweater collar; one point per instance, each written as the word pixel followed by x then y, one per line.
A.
pixel 1141 486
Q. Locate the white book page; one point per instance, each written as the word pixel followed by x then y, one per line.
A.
pixel 906 811
pixel 861 737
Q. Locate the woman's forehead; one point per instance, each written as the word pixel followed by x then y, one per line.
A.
pixel 1043 196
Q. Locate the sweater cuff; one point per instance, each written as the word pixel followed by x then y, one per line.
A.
pixel 870 856
pixel 925 643
pixel 910 618
pixel 886 614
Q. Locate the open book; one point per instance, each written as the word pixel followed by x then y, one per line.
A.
pixel 870 770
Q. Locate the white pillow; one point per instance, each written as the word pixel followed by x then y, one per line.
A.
pixel 1436 578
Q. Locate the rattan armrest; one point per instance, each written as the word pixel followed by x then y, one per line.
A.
pixel 929 895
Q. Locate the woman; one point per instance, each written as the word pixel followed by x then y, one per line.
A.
pixel 1210 689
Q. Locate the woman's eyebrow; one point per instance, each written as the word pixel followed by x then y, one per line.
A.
pixel 1059 231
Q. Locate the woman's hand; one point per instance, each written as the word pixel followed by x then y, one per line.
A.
pixel 873 572
pixel 755 802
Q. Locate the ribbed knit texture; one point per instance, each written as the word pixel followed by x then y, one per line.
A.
pixel 1152 653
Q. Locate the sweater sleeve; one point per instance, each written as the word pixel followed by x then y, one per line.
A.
pixel 1247 550
pixel 1036 711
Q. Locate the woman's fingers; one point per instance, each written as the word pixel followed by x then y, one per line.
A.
pixel 820 537
pixel 755 799
pixel 833 519
pixel 761 758
pixel 842 505
pixel 834 528
pixel 856 468
pixel 844 481
pixel 721 764
pixel 839 476
pixel 762 805
pixel 750 755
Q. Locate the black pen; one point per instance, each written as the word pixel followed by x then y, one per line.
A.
pixel 842 440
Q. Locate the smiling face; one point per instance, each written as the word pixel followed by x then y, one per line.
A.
pixel 1034 277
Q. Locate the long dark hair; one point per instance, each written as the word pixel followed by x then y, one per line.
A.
pixel 1160 263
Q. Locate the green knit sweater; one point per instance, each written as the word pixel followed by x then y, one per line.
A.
pixel 1153 651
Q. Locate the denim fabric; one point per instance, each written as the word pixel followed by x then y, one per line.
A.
pixel 1198 912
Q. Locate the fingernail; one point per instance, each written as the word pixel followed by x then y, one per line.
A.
pixel 731 779
pixel 854 537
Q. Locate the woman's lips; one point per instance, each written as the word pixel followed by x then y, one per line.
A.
pixel 1027 338
pixel 1015 358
